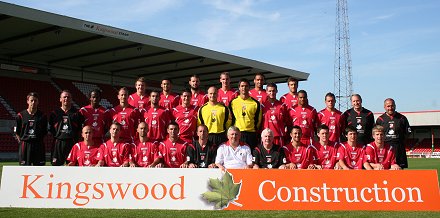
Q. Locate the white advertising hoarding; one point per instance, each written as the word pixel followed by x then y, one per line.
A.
pixel 82 187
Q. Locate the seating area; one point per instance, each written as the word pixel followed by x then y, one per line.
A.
pixel 81 90
pixel 8 143
pixel 14 92
pixel 86 88
pixel 79 98
pixel 425 146
pixel 410 143
pixel 4 114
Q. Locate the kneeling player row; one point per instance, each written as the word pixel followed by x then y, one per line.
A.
pixel 233 154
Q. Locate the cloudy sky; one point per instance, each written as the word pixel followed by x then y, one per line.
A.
pixel 395 44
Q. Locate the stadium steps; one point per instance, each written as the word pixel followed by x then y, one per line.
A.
pixel 6 111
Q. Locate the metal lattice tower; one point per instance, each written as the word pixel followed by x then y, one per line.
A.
pixel 343 83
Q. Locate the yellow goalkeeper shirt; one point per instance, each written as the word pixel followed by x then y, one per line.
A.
pixel 246 114
pixel 216 117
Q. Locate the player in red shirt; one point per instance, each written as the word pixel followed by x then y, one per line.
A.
pixel 258 93
pixel 168 99
pixel 126 115
pixel 326 150
pixel 94 116
pixel 350 154
pixel 378 155
pixel 226 93
pixel 291 98
pixel 145 152
pixel 185 115
pixel 86 153
pixel 198 97
pixel 173 149
pixel 116 152
pixel 331 117
pixel 299 156
pixel 139 99
pixel 304 116
pixel 274 115
pixel 156 117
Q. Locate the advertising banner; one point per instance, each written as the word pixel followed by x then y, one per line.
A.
pixel 210 189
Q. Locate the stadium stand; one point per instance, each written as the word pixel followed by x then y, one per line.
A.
pixel 4 113
pixel 14 92
pixel 78 97
pixel 410 143
pixel 8 143
pixel 110 93
pixel 81 90
pixel 425 146
pixel 86 88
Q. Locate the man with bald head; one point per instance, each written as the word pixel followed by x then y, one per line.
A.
pixel 87 153
pixel 396 128
pixel 216 116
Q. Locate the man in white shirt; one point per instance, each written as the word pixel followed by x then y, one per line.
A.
pixel 234 154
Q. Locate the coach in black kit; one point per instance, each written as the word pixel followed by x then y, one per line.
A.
pixel 30 129
pixel 360 118
pixel 396 129
pixel 267 155
pixel 65 125
pixel 202 154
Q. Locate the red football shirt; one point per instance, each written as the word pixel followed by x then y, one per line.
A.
pixel 144 153
pixel 198 99
pixel 385 156
pixel 352 156
pixel 302 156
pixel 226 96
pixel 260 96
pixel 289 99
pixel 157 120
pixel 187 120
pixel 115 154
pixel 275 117
pixel 136 101
pixel 173 154
pixel 169 101
pixel 334 122
pixel 128 118
pixel 304 117
pixel 327 155
pixel 96 119
pixel 83 155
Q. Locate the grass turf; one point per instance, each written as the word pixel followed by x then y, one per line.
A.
pixel 42 212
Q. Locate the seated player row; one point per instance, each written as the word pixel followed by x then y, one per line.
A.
pixel 233 154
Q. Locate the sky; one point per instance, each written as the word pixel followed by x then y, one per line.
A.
pixel 395 44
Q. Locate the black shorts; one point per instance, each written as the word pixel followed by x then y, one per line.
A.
pixel 217 138
pixel 401 158
pixel 31 153
pixel 60 151
pixel 249 138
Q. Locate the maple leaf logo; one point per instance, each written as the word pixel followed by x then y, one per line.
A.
pixel 223 192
